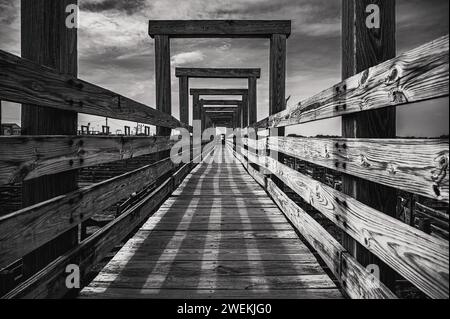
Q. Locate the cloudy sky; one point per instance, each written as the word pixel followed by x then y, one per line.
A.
pixel 116 52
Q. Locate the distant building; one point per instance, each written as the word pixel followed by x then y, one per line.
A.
pixel 10 129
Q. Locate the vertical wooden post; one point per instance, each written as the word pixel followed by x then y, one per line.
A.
pixel 46 40
pixel 196 114
pixel 277 87
pixel 1 130
pixel 245 110
pixel 252 101
pixel 184 99
pixel 163 83
pixel 364 47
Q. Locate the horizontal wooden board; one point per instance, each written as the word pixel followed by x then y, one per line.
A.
pixel 219 28
pixel 418 257
pixel 418 166
pixel 23 81
pixel 221 248
pixel 104 291
pixel 25 230
pixel 218 73
pixel 355 280
pixel 417 75
pixel 51 281
pixel 28 157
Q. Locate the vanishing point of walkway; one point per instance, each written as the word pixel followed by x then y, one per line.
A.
pixel 219 235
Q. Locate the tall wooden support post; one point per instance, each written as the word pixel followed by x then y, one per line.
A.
pixel 364 47
pixel 184 99
pixel 196 114
pixel 1 130
pixel 244 110
pixel 277 87
pixel 48 41
pixel 163 84
pixel 252 102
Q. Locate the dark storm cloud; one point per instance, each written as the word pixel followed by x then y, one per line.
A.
pixel 128 6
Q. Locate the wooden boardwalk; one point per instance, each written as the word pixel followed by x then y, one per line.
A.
pixel 218 235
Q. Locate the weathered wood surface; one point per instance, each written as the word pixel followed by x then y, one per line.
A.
pixel 219 91
pixel 418 166
pixel 354 279
pixel 219 28
pixel 219 73
pixel 417 75
pixel 193 244
pixel 163 82
pixel 27 157
pixel 50 282
pixel 418 257
pixel 27 229
pixel 23 81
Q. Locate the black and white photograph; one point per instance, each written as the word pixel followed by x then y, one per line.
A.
pixel 224 156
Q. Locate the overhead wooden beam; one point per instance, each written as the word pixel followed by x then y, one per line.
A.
pixel 220 109
pixel 218 91
pixel 221 102
pixel 219 28
pixel 218 73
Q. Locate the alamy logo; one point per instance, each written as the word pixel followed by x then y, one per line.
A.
pixel 72 17
pixel 73 277
pixel 373 19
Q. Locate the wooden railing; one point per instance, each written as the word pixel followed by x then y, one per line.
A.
pixel 417 166
pixel 24 158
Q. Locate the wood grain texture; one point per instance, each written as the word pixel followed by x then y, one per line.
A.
pixel 418 257
pixel 197 256
pixel 413 165
pixel 29 228
pixel 218 73
pixel 218 109
pixel 50 282
pixel 417 75
pixel 355 280
pixel 219 28
pixel 23 81
pixel 28 157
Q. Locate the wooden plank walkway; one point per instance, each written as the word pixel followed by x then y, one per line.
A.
pixel 218 236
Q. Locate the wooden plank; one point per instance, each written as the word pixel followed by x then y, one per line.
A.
pixel 354 279
pixel 219 28
pixel 50 282
pixel 28 157
pixel 27 229
pixel 417 75
pixel 112 293
pixel 23 81
pixel 214 110
pixel 414 165
pixel 168 255
pixel 219 91
pixel 218 73
pixel 418 257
